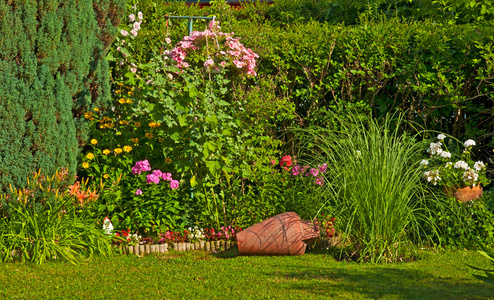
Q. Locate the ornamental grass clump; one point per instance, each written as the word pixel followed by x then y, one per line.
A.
pixel 373 184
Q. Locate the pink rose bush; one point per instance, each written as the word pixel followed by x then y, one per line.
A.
pixel 220 50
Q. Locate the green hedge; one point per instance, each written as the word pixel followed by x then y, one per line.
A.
pixel 441 74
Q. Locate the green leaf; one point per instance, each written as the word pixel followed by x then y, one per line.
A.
pixel 109 57
pixel 213 166
pixel 192 91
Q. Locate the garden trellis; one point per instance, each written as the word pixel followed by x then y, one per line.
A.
pixel 190 20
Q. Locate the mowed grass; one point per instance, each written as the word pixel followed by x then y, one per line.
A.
pixel 199 275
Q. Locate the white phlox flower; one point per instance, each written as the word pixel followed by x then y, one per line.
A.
pixel 470 175
pixel 432 176
pixel 196 233
pixel 424 162
pixel 435 148
pixel 449 164
pixel 461 165
pixel 445 154
pixel 469 143
pixel 478 165
pixel 441 137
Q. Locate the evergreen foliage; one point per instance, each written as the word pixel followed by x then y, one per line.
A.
pixel 52 72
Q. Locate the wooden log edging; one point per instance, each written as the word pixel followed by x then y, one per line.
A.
pixel 141 250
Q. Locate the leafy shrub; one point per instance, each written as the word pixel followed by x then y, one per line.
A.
pixel 463 225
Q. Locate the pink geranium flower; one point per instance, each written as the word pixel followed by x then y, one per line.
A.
pixel 151 178
pixel 174 184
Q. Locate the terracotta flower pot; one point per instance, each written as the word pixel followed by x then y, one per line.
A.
pixel 465 194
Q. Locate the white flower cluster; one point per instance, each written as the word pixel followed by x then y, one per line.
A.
pixel 478 165
pixel 461 165
pixel 432 176
pixel 445 154
pixel 435 148
pixel 470 175
pixel 196 233
pixel 135 27
pixel 451 172
pixel 134 239
pixel 469 143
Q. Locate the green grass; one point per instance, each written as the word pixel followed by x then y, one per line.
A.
pixel 199 276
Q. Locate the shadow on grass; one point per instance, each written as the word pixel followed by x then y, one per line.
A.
pixel 379 281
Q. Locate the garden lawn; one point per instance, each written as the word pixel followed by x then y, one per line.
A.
pixel 199 275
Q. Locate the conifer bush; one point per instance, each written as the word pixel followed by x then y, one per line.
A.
pixel 52 72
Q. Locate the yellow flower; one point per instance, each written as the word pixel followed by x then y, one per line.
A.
pixel 94 141
pixel 120 84
pixel 130 93
pixel 168 160
pixel 127 149
pixel 124 122
pixel 85 165
pixel 96 109
pixel 161 140
pixel 137 124
pixel 149 135
pixel 135 140
pixel 106 152
pixel 106 119
pixel 110 125
pixel 129 101
pixel 154 124
pixel 117 151
pixel 106 176
pixel 90 155
pixel 118 91
pixel 88 115
pixel 121 101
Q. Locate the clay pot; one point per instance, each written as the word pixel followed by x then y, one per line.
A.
pixel 465 194
pixel 283 234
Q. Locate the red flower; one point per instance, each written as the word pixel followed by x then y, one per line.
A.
pixel 285 162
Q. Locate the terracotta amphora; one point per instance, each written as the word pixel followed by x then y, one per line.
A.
pixel 283 234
